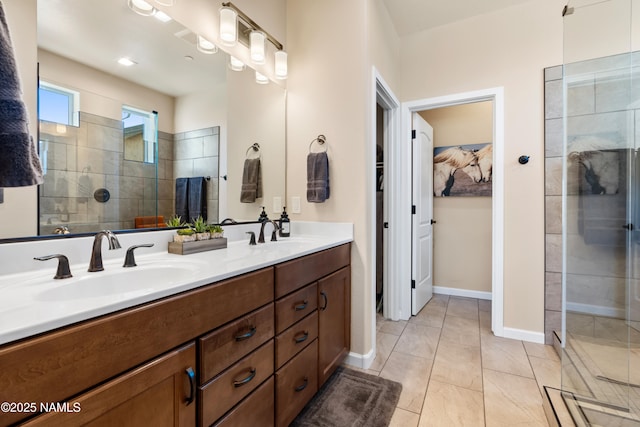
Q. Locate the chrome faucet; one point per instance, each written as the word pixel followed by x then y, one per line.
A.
pixel 273 234
pixel 95 264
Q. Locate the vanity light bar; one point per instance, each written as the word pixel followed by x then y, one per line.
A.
pixel 251 23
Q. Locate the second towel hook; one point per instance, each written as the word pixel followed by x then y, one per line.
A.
pixel 321 140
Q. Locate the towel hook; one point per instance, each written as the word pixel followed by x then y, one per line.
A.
pixel 255 147
pixel 321 139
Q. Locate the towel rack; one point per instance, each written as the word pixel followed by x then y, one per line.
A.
pixel 255 147
pixel 321 139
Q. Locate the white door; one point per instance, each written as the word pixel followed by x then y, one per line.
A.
pixel 422 241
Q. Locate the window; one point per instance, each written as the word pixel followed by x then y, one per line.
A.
pixel 140 134
pixel 58 104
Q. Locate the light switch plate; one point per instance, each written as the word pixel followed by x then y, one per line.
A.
pixel 277 204
pixel 295 204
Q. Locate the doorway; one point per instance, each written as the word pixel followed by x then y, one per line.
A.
pixel 398 186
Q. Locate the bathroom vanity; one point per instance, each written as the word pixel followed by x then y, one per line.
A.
pixel 251 349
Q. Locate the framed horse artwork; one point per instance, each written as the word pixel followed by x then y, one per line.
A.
pixel 463 170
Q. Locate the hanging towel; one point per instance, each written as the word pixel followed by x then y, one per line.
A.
pixel 182 198
pixel 197 198
pixel 19 161
pixel 317 177
pixel 251 181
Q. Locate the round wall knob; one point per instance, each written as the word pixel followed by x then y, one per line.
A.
pixel 523 160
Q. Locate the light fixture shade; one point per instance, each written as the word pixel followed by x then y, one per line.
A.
pixel 281 69
pixel 205 46
pixel 141 7
pixel 235 64
pixel 228 26
pixel 166 2
pixel 261 79
pixel 257 46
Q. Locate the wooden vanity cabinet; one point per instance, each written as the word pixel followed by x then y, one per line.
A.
pixel 334 326
pixel 159 393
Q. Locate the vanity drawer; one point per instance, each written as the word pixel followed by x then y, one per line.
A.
pixel 222 347
pixel 296 338
pixel 255 410
pixel 296 383
pixel 230 387
pixel 296 306
pixel 298 272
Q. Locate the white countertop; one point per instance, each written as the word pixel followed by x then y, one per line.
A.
pixel 32 302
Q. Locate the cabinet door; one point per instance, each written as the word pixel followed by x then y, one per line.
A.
pixel 334 324
pixel 159 393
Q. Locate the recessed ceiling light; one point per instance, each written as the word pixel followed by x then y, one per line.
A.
pixel 161 16
pixel 126 62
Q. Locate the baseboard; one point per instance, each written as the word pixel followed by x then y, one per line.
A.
pixel 362 361
pixel 461 292
pixel 523 335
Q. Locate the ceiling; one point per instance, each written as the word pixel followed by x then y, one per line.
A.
pixel 412 16
pixel 97 33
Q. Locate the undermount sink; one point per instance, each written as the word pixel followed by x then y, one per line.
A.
pixel 128 282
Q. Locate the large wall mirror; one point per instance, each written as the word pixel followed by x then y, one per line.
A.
pixel 105 171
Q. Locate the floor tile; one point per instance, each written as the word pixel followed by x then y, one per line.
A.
pixel 505 355
pixel 461 330
pixel 541 350
pixel 463 307
pixel 384 346
pixel 392 327
pixel 448 405
pixel 458 365
pixel 413 373
pixel 546 371
pixel 402 418
pixel 430 315
pixel 419 340
pixel 511 400
pixel 484 305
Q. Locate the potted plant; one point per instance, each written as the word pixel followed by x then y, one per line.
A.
pixel 201 228
pixel 175 221
pixel 216 231
pixel 184 235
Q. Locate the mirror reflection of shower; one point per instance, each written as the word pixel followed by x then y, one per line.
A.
pixel 139 133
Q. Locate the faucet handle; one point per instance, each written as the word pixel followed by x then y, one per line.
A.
pixel 252 238
pixel 63 272
pixel 274 232
pixel 129 259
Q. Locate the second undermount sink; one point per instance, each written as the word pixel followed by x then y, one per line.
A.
pixel 124 282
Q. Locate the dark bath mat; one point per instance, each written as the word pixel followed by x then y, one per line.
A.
pixel 351 399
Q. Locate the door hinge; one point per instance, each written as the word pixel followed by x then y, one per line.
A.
pixel 385 225
pixel 413 134
pixel 413 209
pixel 413 284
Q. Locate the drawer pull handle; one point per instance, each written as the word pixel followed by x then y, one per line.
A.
pixel 302 338
pixel 192 385
pixel 326 300
pixel 301 306
pixel 303 386
pixel 242 382
pixel 247 335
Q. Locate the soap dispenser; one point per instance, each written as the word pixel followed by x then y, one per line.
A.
pixel 285 224
pixel 263 216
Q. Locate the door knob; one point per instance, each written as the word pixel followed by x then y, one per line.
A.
pixel 433 221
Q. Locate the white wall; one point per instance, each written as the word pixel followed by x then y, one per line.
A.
pixel 462 234
pixel 18 213
pixel 508 48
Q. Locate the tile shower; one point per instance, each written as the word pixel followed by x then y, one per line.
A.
pixel 80 160
pixel 590 172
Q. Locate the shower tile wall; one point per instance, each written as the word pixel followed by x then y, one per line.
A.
pixel 80 160
pixel 196 153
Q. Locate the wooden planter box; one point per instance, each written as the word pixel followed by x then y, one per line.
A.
pixel 187 248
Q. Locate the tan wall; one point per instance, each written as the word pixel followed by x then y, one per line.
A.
pixel 103 94
pixel 18 213
pixel 462 235
pixel 508 48
pixel 327 93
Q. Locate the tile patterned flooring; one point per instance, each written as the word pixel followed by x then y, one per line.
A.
pixel 455 372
